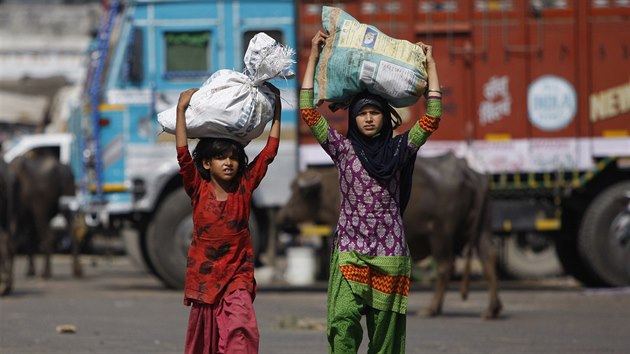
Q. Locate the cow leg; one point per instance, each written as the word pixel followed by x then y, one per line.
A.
pixel 26 237
pixel 444 270
pixel 441 245
pixel 30 270
pixel 488 257
pixel 76 232
pixel 47 251
pixel 46 239
pixel 77 269
pixel 6 264
pixel 30 236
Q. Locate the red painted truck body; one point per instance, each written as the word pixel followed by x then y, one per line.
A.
pixel 537 94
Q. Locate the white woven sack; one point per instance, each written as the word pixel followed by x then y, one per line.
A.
pixel 236 105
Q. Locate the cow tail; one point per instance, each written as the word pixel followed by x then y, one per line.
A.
pixel 466 278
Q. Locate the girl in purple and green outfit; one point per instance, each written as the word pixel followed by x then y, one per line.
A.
pixel 371 264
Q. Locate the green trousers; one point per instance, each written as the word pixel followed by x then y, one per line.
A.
pixel 386 329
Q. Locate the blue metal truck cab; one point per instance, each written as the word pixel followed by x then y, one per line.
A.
pixel 146 53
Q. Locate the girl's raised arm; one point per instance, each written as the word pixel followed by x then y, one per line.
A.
pixel 434 89
pixel 310 116
pixel 430 121
pixel 181 137
pixel 317 43
pixel 275 125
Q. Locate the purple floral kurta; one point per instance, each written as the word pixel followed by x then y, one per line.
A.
pixel 369 221
pixel 372 254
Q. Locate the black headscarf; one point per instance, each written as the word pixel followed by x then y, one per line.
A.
pixel 383 154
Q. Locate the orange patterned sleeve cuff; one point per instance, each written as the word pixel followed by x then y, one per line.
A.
pixel 429 124
pixel 310 116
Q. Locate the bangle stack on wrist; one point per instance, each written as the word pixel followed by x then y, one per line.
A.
pixel 435 97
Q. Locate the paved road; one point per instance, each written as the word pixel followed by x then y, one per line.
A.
pixel 117 308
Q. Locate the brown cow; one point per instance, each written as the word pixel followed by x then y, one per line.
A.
pixel 449 209
pixel 6 246
pixel 41 182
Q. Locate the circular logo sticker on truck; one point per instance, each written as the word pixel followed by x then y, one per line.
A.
pixel 551 103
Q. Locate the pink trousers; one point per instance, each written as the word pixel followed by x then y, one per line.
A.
pixel 228 327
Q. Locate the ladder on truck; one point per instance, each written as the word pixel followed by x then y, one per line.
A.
pixel 92 94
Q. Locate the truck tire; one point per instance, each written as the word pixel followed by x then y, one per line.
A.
pixel 568 254
pixel 169 235
pixel 608 257
pixel 133 249
pixel 520 260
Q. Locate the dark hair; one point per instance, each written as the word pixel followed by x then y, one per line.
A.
pixel 209 148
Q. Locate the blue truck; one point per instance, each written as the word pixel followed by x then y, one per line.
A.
pixel 145 53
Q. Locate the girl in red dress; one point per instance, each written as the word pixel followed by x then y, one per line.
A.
pixel 220 283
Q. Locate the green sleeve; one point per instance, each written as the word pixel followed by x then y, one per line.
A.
pixel 315 121
pixel 427 124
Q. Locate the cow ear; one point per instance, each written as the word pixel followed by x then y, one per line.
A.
pixel 309 179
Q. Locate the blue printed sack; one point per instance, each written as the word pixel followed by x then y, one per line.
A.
pixel 357 57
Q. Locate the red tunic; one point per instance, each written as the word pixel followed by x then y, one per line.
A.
pixel 220 257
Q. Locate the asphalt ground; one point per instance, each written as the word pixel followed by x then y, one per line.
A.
pixel 118 308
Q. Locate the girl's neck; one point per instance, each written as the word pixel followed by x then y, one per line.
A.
pixel 221 188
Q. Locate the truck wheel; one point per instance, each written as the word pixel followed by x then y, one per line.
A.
pixel 608 256
pixel 133 249
pixel 169 235
pixel 521 259
pixel 569 256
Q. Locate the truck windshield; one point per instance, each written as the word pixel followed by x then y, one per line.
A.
pixel 187 53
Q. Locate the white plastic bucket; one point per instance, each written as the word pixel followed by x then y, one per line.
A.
pixel 300 266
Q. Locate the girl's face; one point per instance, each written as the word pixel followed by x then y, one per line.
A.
pixel 369 120
pixel 222 168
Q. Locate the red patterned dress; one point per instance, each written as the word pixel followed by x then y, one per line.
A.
pixel 220 258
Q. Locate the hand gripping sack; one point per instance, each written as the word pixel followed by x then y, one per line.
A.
pixel 236 105
pixel 359 57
